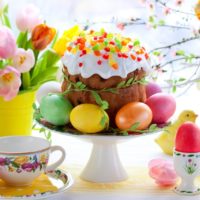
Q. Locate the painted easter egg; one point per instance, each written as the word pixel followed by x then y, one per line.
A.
pixel 55 109
pixel 188 138
pixel 89 118
pixel 163 107
pixel 132 113
pixel 152 88
pixel 46 88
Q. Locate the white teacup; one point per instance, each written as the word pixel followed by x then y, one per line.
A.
pixel 23 158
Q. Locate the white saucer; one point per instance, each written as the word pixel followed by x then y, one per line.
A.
pixel 59 178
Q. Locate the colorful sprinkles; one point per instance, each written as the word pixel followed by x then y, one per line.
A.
pixel 104 45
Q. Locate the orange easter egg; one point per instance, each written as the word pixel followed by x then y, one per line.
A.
pixel 132 113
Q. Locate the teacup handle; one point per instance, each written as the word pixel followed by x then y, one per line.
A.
pixel 61 159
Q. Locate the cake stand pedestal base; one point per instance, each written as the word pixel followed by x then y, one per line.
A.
pixel 104 165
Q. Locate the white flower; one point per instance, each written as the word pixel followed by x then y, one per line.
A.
pixel 1 5
pixel 23 60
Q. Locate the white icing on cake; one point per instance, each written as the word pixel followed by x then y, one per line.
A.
pixel 90 66
pixel 105 54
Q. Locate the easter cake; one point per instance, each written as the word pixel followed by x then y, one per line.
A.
pixel 109 64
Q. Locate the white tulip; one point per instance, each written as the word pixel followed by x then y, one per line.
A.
pixel 1 5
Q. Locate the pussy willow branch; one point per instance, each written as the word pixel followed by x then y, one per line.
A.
pixel 189 81
pixel 173 9
pixel 176 43
pixel 133 22
pixel 174 60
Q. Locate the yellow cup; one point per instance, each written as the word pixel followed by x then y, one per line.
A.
pixel 16 116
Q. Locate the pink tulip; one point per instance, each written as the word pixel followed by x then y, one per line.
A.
pixel 28 18
pixel 7 43
pixel 163 172
pixel 23 60
pixel 9 83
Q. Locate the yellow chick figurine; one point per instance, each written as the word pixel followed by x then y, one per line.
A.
pixel 167 138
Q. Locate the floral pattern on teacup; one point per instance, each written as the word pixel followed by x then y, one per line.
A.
pixel 24 163
pixel 190 166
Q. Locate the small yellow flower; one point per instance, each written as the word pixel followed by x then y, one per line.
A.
pixel 43 158
pixel 11 169
pixel 61 44
pixel 21 160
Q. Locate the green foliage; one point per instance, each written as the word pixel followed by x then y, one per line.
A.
pixel 4 17
pixel 180 53
pixel 22 40
pixel 136 43
pixel 103 104
pixel 134 128
pixel 131 81
pixel 45 68
pixel 175 82
pixel 156 53
pixel 104 121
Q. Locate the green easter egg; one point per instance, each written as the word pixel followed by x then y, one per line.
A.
pixel 55 109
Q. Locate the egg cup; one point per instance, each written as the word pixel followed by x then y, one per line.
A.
pixel 187 166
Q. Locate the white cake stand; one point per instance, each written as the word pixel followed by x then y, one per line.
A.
pixel 104 164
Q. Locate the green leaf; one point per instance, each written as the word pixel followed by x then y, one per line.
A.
pixel 104 121
pixel 174 88
pixel 155 26
pixel 22 39
pixel 181 79
pixel 15 165
pixel 33 127
pixel 121 84
pixel 55 39
pixel 58 172
pixel 143 81
pixel 151 19
pixel 125 133
pixel 191 155
pixel 134 126
pixel 129 82
pixel 44 76
pixel 5 9
pixel 105 105
pixel 153 127
pixel 47 60
pixel 156 53
pixel 161 22
pixel 80 85
pixel 112 90
pixel 49 135
pixel 42 130
pixel 97 97
pixel 34 106
pixel 180 53
pixel 192 55
pixel 136 43
pixel 6 20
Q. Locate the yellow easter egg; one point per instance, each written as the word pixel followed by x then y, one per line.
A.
pixel 89 118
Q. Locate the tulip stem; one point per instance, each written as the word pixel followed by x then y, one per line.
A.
pixel 26 80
